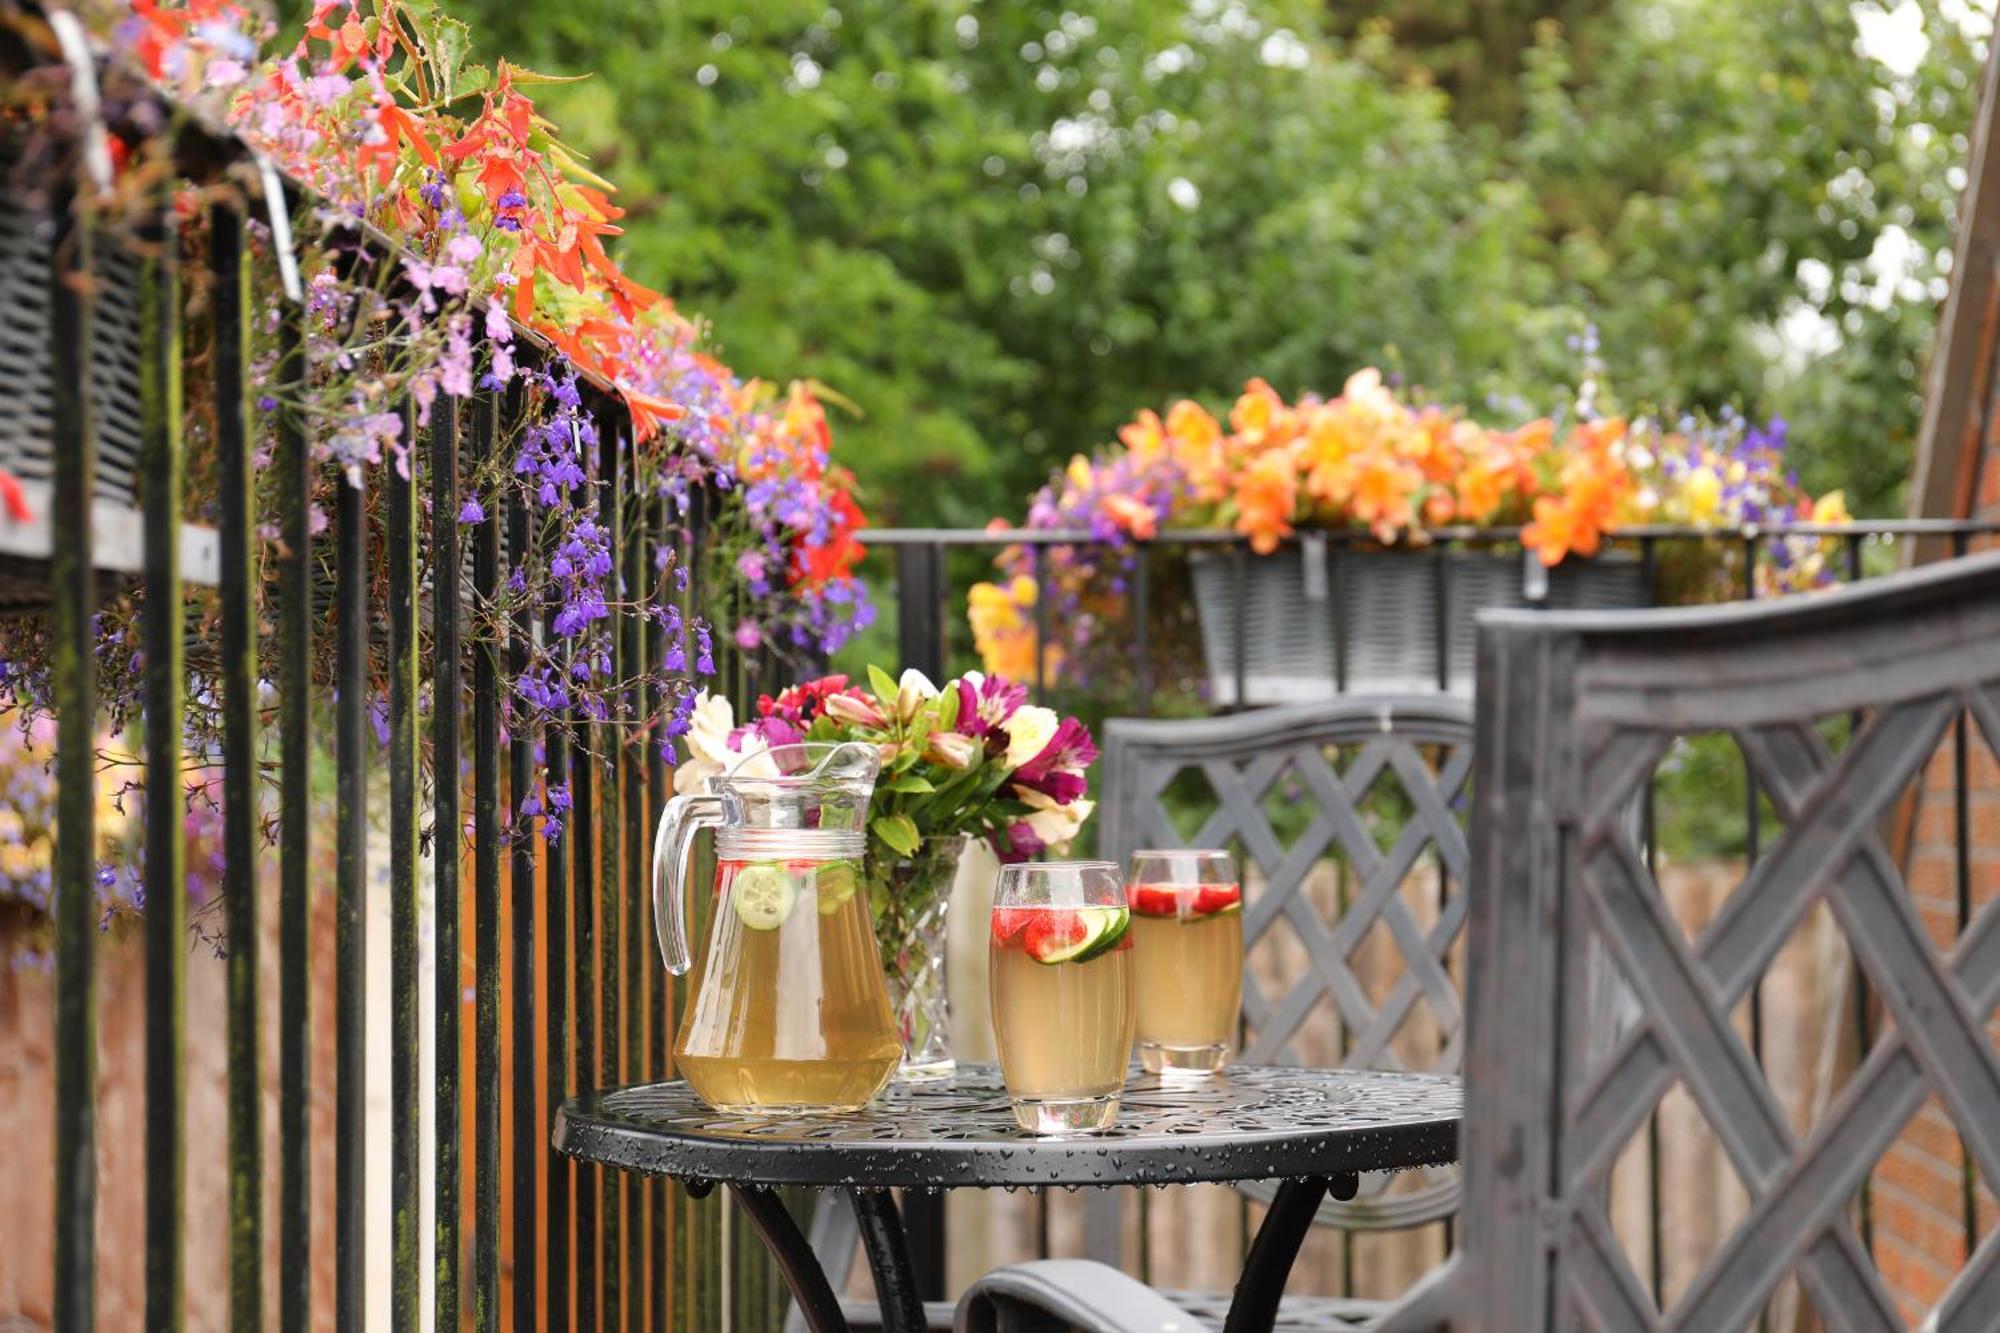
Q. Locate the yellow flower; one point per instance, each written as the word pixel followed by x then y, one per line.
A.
pixel 1003 629
pixel 1702 494
pixel 1831 508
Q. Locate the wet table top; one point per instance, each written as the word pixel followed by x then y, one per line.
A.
pixel 1248 1123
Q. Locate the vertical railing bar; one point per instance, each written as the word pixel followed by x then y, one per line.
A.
pixel 1239 570
pixel 1336 555
pixel 350 926
pixel 555 963
pixel 448 833
pixel 1655 1179
pixel 74 683
pixel 236 501
pixel 1040 560
pixel 399 502
pixel 610 887
pixel 631 668
pixel 1142 644
pixel 1752 808
pixel 1863 1025
pixel 656 788
pixel 1962 873
pixel 582 832
pixel 1441 615
pixel 166 840
pixel 691 1220
pixel 525 1113
pixel 486 893
pixel 295 1023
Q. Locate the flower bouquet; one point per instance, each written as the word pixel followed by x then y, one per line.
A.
pixel 973 760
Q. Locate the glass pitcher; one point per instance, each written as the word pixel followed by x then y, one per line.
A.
pixel 788 1010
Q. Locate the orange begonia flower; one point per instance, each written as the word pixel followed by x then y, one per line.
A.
pixel 1261 417
pixel 1144 436
pixel 1266 495
pixel 1384 490
pixel 1134 516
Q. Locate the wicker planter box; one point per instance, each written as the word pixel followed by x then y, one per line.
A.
pixel 1377 619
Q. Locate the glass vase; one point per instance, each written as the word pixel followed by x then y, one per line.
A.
pixel 912 896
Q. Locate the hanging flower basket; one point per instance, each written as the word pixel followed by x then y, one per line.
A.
pixel 1377 620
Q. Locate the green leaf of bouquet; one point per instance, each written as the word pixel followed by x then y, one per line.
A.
pixel 897 832
pixel 884 686
pixel 913 783
pixel 947 709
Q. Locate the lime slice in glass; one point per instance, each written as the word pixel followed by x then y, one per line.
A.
pixel 835 882
pixel 762 896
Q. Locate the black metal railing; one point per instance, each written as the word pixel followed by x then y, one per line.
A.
pixel 588 1247
pixel 926 581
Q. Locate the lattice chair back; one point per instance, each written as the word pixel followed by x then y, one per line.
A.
pixel 1347 821
pixel 1847 707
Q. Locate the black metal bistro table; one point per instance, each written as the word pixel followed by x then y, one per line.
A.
pixel 1313 1130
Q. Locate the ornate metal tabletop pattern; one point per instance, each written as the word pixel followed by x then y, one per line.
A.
pixel 1250 1123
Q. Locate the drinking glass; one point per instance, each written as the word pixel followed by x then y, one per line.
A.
pixel 1187 926
pixel 1061 986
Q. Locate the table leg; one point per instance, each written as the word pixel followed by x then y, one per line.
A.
pixel 889 1260
pixel 1254 1308
pixel 787 1244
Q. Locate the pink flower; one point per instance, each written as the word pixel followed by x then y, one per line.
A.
pixel 1057 771
pixel 951 749
pixel 856 708
pixel 1018 843
pixel 984 702
pixel 748 635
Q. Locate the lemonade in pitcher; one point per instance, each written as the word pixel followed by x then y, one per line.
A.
pixel 788 1011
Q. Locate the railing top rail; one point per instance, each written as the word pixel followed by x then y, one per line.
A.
pixel 1887 527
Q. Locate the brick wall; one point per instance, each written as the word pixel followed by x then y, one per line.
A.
pixel 1924 1201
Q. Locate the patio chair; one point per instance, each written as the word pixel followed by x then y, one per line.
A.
pixel 1372 783
pixel 1841 703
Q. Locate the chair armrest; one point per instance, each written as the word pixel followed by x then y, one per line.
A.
pixel 1075 1292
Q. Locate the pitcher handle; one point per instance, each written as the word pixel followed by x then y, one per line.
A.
pixel 673 845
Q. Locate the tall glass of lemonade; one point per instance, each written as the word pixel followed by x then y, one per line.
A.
pixel 1187 928
pixel 1061 984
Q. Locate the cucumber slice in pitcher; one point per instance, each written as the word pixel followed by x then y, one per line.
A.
pixel 762 896
pixel 835 883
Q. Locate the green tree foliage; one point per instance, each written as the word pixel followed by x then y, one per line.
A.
pixel 1001 228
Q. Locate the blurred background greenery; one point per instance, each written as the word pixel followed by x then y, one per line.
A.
pixel 999 229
